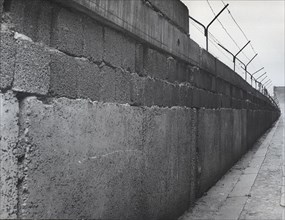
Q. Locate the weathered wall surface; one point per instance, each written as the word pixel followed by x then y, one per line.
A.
pixel 106 160
pixel 99 121
pixel 9 131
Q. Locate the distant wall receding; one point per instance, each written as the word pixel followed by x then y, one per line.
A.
pixel 113 112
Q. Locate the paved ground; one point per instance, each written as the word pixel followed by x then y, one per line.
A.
pixel 253 188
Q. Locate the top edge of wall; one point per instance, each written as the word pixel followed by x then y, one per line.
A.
pixel 141 19
pixel 155 22
pixel 175 11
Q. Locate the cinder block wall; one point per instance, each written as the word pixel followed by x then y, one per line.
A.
pixel 98 123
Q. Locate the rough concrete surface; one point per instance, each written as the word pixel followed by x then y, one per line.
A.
pixel 93 45
pixel 67 34
pixel 119 50
pixel 32 70
pixel 9 110
pixel 63 79
pixel 123 14
pixel 95 160
pixel 1 9
pixel 175 10
pixel 7 59
pixel 80 36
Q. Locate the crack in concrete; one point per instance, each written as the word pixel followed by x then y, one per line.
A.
pixel 114 152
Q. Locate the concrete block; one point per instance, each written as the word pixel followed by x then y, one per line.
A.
pixel 169 135
pixel 67 33
pixel 137 90
pixel 193 52
pixel 88 81
pixel 185 96
pixel 182 72
pixel 238 147
pixel 192 71
pixel 244 129
pixel 167 94
pixel 208 62
pixel 1 9
pixel 174 10
pixel 147 25
pixel 132 163
pixel 63 78
pixel 158 95
pixel 93 39
pixel 123 86
pixel 139 59
pixel 175 96
pixel 155 64
pixel 171 69
pixel 115 85
pixel 223 87
pixel 203 98
pixel 214 100
pixel 225 101
pixel 30 21
pixel 32 18
pixel 237 92
pixel 179 71
pixel 96 147
pixel 227 132
pixel 119 50
pixel 32 71
pixel 17 15
pixel 203 79
pixel 237 103
pixel 9 132
pixel 7 59
pixel 224 72
pixel 214 84
pixel 197 99
pixel 108 82
pixel 128 55
pixel 209 148
pixel 149 91
pixel 45 22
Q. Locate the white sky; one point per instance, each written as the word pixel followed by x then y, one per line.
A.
pixel 262 23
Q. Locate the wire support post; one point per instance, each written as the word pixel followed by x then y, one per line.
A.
pixel 258 71
pixel 206 28
pixel 245 67
pixel 235 56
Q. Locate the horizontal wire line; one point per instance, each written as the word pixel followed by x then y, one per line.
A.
pixel 226 30
pixel 240 28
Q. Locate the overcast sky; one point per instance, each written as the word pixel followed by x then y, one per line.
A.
pixel 262 23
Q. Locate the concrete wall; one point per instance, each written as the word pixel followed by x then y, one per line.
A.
pixel 279 94
pixel 99 121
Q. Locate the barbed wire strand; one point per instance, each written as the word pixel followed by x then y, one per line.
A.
pixel 213 40
pixel 239 28
pixel 226 30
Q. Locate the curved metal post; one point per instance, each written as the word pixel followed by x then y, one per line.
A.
pixel 206 28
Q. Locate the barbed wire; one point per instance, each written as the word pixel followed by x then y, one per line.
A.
pixel 239 27
pixel 213 40
pixel 226 29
